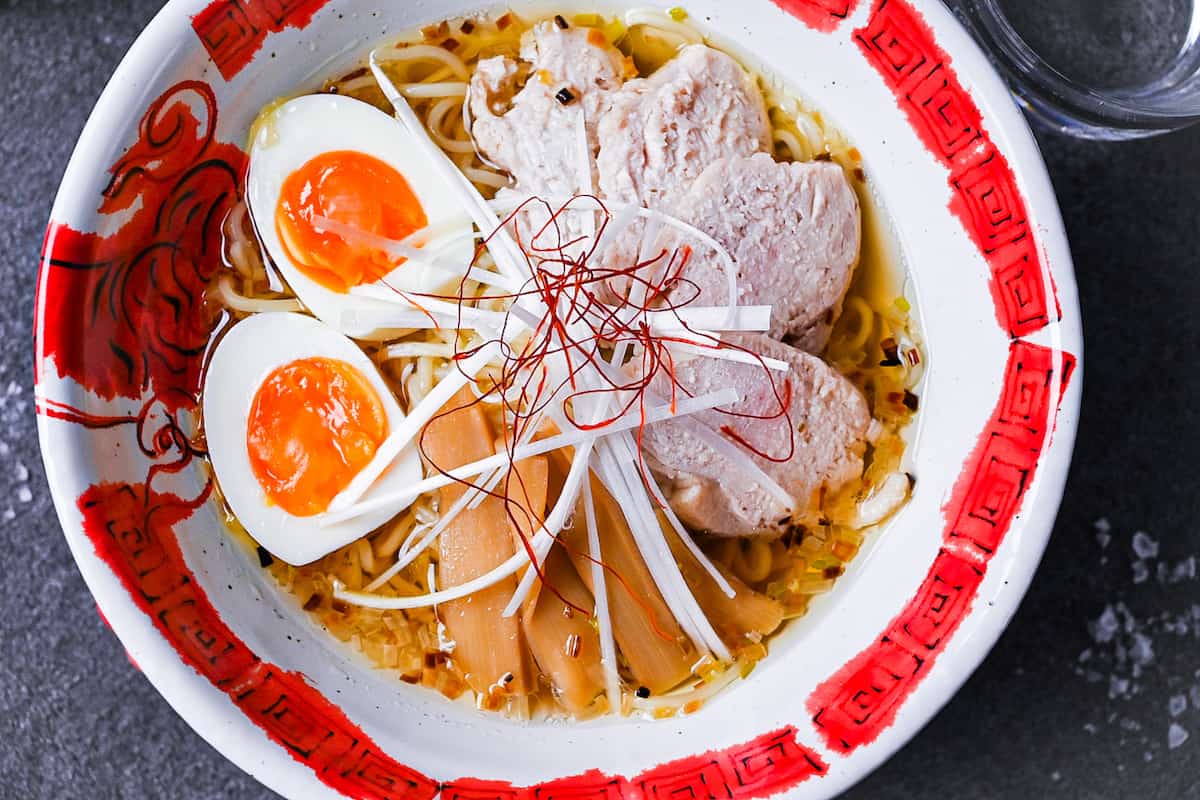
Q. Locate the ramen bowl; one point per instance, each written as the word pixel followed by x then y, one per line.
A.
pixel 121 340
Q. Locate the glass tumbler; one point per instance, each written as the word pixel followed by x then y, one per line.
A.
pixel 1097 69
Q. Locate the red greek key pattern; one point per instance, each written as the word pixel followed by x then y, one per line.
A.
pixel 232 31
pixel 821 15
pixel 474 789
pixel 765 766
pixel 862 699
pixel 986 197
pixel 589 786
pixel 132 530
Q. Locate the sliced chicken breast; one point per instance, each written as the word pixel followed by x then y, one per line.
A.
pixel 659 133
pixel 543 133
pixel 794 230
pixel 806 429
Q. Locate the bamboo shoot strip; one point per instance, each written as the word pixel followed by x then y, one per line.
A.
pixel 742 617
pixel 488 648
pixel 685 406
pixel 658 653
pixel 540 544
pixel 563 641
pixel 648 533
pixel 532 425
pixel 525 490
pixel 414 545
pixel 539 550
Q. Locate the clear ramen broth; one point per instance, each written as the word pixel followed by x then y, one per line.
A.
pixel 874 344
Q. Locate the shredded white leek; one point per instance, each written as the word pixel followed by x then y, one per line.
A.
pixel 631 497
pixel 403 434
pixel 424 256
pixel 729 354
pixel 575 438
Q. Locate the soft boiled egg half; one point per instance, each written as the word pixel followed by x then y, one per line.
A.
pixel 293 411
pixel 324 163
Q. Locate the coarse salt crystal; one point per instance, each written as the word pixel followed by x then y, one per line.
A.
pixel 1176 735
pixel 9 514
pixel 1141 572
pixel 1128 621
pixel 24 494
pixel 22 472
pixel 1106 626
pixel 1144 546
pixel 1177 705
pixel 1142 651
pixel 1183 571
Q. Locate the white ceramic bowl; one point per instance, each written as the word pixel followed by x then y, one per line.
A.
pixel 130 247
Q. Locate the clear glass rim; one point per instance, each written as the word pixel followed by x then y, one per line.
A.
pixel 1067 104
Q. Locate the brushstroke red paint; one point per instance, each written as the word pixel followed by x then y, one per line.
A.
pixel 900 45
pixel 232 31
pixel 124 312
pixel 821 15
pixel 854 706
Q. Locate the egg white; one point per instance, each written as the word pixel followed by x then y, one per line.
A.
pixel 245 356
pixel 293 133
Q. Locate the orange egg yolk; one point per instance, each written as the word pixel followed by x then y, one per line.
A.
pixel 314 424
pixel 354 189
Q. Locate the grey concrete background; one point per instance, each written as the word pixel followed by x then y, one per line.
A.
pixel 1089 694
